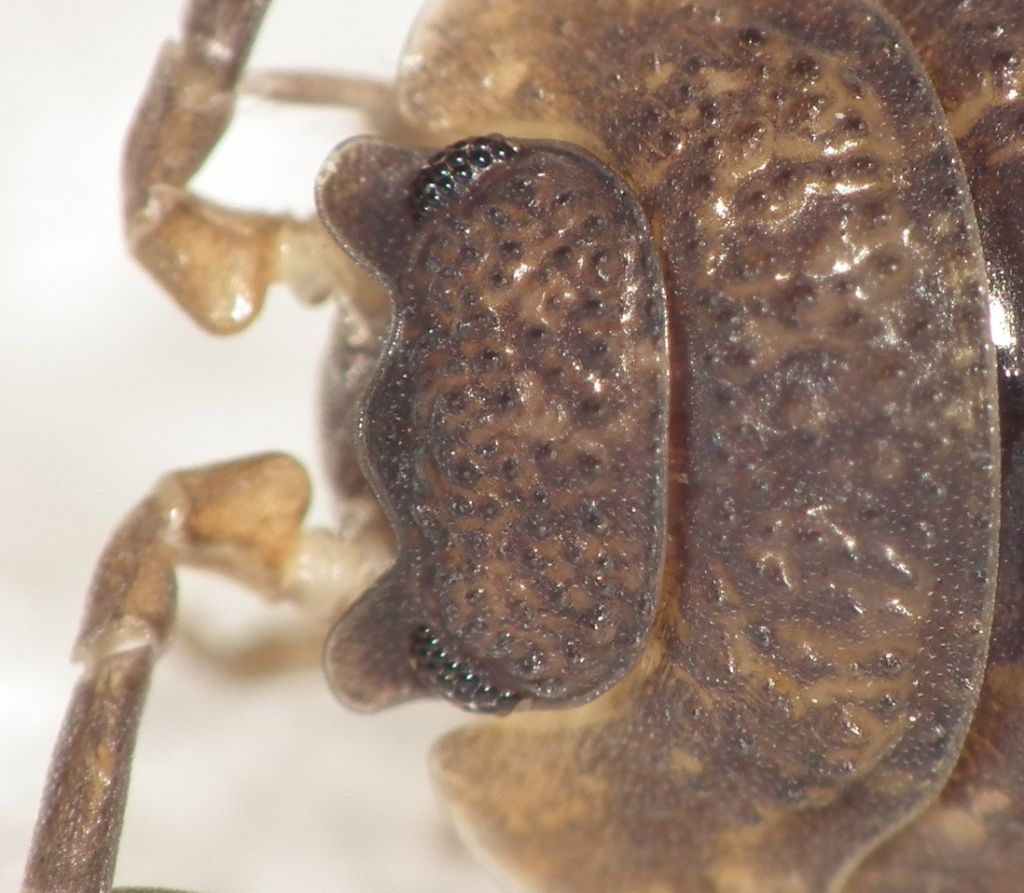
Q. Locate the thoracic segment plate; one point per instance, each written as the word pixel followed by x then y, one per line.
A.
pixel 830 563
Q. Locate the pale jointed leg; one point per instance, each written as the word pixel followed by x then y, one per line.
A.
pixel 217 261
pixel 240 518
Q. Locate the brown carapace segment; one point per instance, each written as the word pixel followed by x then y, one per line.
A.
pixel 516 427
pixel 829 570
pixel 972 836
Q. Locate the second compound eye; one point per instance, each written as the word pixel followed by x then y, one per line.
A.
pixel 465 682
pixel 453 170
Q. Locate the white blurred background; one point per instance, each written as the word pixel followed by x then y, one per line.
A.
pixel 239 787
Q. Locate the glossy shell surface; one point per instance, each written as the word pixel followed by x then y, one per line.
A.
pixel 831 562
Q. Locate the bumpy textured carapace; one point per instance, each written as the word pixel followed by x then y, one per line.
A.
pixel 515 428
pixel 710 398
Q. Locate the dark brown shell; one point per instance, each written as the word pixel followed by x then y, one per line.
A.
pixel 515 429
pixel 830 567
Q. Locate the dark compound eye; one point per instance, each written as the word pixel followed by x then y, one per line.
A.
pixel 453 170
pixel 457 678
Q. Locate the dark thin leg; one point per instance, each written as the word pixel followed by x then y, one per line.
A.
pixel 75 844
pixel 129 613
